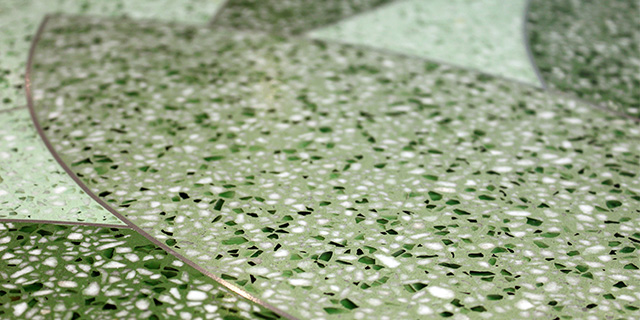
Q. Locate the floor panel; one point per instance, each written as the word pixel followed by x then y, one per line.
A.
pixel 71 272
pixel 589 49
pixel 361 159
pixel 33 185
pixel 298 168
pixel 483 35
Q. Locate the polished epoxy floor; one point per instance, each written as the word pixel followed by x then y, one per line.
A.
pixel 320 160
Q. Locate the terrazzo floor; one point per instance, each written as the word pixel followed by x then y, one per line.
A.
pixel 303 159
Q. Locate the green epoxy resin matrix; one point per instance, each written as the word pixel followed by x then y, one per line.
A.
pixel 73 272
pixel 589 49
pixel 336 182
pixel 32 183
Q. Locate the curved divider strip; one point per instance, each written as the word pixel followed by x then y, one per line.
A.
pixel 86 189
pixel 527 45
pixel 543 84
pixel 546 87
pixel 218 13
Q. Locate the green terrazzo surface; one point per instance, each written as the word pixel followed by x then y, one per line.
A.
pixel 82 272
pixel 336 182
pixel 590 49
pixel 289 16
pixel 32 183
pixel 19 20
pixel 484 35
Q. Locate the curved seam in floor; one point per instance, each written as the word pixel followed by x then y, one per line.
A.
pixel 595 105
pixel 542 85
pixel 527 44
pixel 218 13
pixel 131 225
pixel 86 189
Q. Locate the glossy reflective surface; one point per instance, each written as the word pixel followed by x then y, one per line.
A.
pixel 320 179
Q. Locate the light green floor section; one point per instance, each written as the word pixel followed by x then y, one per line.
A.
pixel 480 34
pixel 32 185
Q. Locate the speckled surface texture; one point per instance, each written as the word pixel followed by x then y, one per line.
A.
pixel 590 49
pixel 337 182
pixel 81 272
pixel 288 16
pixel 484 35
pixel 32 183
pixel 19 20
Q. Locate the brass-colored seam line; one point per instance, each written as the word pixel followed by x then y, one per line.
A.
pixel 71 223
pixel 86 189
pixel 527 44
